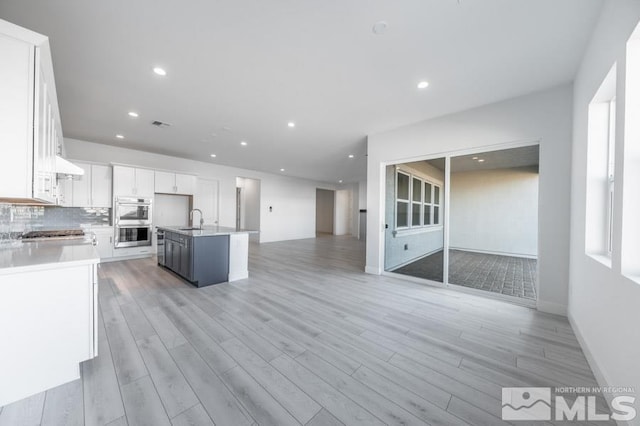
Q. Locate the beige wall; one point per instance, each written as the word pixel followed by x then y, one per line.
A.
pixel 495 211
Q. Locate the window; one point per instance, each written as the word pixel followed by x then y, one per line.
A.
pixel 436 205
pixel 417 202
pixel 428 196
pixel 402 200
pixel 601 147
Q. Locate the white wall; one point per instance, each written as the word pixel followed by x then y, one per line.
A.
pixel 325 200
pixel 495 211
pixel 545 117
pixel 604 306
pixel 293 200
pixel 342 212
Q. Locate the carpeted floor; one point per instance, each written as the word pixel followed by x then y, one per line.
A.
pixel 508 275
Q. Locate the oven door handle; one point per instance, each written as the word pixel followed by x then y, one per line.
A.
pixel 134 204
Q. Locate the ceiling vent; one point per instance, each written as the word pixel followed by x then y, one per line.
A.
pixel 160 124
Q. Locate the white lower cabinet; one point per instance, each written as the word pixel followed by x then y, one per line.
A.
pixel 104 239
pixel 48 323
pixel 133 251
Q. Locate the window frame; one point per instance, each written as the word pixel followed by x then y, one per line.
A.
pixel 414 202
pixel 422 202
pixel 404 201
pixel 611 157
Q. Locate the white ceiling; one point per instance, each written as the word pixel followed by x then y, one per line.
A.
pixel 252 66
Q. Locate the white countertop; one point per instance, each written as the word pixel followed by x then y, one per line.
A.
pixel 21 257
pixel 207 231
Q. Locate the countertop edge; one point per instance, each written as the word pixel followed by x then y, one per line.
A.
pixel 47 266
pixel 207 232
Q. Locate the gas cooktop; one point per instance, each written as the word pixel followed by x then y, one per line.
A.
pixel 57 234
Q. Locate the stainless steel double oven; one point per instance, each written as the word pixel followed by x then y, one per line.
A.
pixel 133 221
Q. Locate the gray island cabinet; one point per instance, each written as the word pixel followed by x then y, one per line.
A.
pixel 206 256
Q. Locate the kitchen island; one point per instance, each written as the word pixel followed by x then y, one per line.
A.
pixel 211 255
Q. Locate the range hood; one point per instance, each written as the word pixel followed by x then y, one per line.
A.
pixel 65 167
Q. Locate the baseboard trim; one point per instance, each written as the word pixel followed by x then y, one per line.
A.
pixel 372 270
pixel 552 308
pixel 497 253
pixel 238 276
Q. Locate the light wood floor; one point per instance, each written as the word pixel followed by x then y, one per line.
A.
pixel 309 339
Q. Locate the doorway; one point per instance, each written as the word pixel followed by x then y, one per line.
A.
pixel 468 221
pixel 493 222
pixel 325 211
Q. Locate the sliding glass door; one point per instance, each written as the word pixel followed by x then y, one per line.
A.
pixel 414 224
pixel 469 221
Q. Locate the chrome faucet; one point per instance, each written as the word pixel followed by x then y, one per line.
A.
pixel 201 219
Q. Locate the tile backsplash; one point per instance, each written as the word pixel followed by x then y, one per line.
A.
pixel 16 219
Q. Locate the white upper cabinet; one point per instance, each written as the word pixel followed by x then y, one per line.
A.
pixel 93 189
pixel 175 183
pixel 165 182
pixel 129 181
pixel 185 184
pixel 144 182
pixel 30 128
pixel 124 181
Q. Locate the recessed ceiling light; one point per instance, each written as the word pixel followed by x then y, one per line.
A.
pixel 481 160
pixel 351 155
pixel 160 71
pixel 133 114
pixel 119 136
pixel 380 27
pixel 213 155
pixel 340 181
pixel 291 124
pixel 474 158
pixel 243 143
pixel 423 85
pixel 282 170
